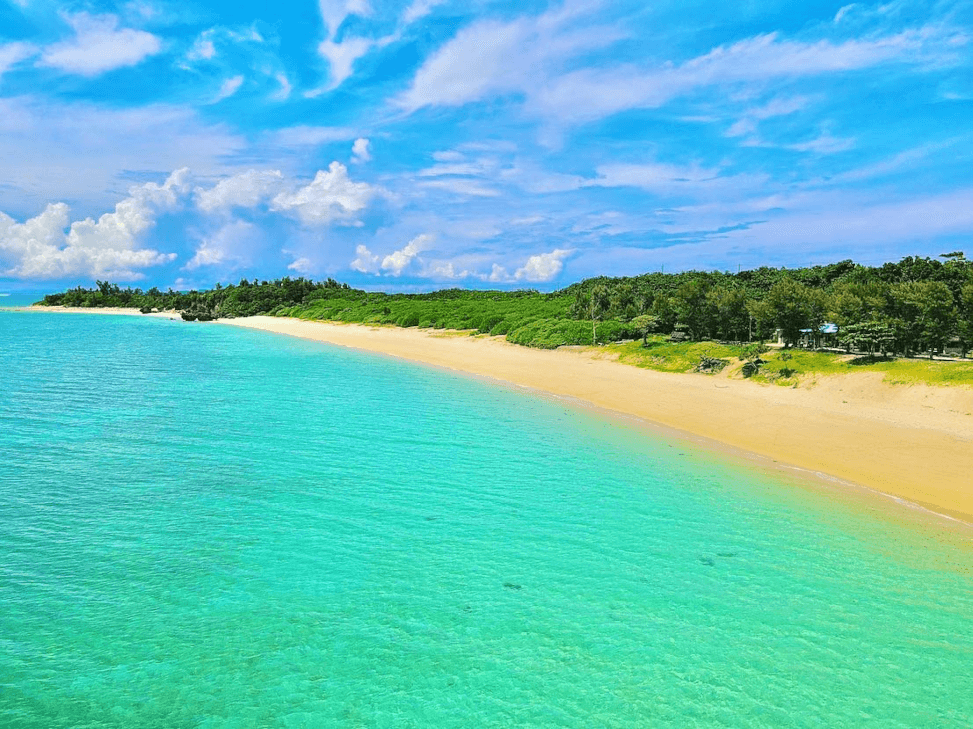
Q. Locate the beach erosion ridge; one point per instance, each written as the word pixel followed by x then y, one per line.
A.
pixel 912 443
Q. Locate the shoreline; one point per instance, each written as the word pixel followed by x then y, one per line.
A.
pixel 910 443
pixel 907 449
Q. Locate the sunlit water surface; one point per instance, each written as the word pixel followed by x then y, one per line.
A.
pixel 209 527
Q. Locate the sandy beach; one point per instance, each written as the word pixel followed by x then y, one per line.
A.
pixel 910 442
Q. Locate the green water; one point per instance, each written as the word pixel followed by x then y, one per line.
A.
pixel 209 527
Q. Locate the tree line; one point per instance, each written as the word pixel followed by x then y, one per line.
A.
pixel 912 306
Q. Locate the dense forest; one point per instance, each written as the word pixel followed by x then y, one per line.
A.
pixel 913 306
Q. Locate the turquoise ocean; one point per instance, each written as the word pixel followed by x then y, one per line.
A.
pixel 204 526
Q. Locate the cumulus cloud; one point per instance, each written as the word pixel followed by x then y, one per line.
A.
pixel 360 150
pixel 444 271
pixel 303 266
pixel 498 274
pixel 99 45
pixel 331 196
pixel 365 261
pixel 246 190
pixel 39 248
pixel 543 267
pixel 398 260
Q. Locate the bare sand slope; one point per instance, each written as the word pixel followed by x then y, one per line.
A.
pixel 913 442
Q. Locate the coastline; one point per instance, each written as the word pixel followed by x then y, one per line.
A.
pixel 913 443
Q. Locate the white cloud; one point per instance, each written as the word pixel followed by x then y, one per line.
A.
pixel 498 274
pixel 543 267
pixel 398 260
pixel 285 88
pixel 247 190
pixel 461 186
pixel 334 12
pixel 203 49
pixel 331 196
pixel 232 246
pixel 365 261
pixel 842 12
pixel 205 256
pixel 13 53
pixel 834 219
pixel 306 136
pixel 776 107
pixel 652 176
pixel 303 266
pixel 40 249
pixel 468 169
pixel 360 150
pixel 229 87
pixel 99 46
pixel 824 144
pixel 341 57
pixel 527 57
pixel 147 140
pixel 493 58
pixel 444 271
pixel 419 9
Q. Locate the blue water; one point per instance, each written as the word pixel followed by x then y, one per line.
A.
pixel 202 526
pixel 9 300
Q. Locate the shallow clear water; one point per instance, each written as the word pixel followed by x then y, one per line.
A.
pixel 202 526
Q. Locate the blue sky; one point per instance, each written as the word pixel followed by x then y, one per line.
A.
pixel 427 143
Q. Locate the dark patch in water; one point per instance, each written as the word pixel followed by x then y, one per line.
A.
pixel 726 554
pixel 511 585
pixel 707 561
pixel 432 518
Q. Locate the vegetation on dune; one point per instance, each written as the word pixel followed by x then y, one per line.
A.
pixel 918 305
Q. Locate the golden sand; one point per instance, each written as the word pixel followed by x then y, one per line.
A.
pixel 914 442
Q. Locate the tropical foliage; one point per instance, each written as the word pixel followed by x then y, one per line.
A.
pixel 915 305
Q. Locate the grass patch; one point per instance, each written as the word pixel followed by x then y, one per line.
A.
pixel 803 367
pixel 665 356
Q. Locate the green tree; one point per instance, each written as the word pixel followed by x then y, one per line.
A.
pixel 793 307
pixel 694 307
pixel 965 316
pixel 925 314
pixel 728 307
pixel 869 336
pixel 645 324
